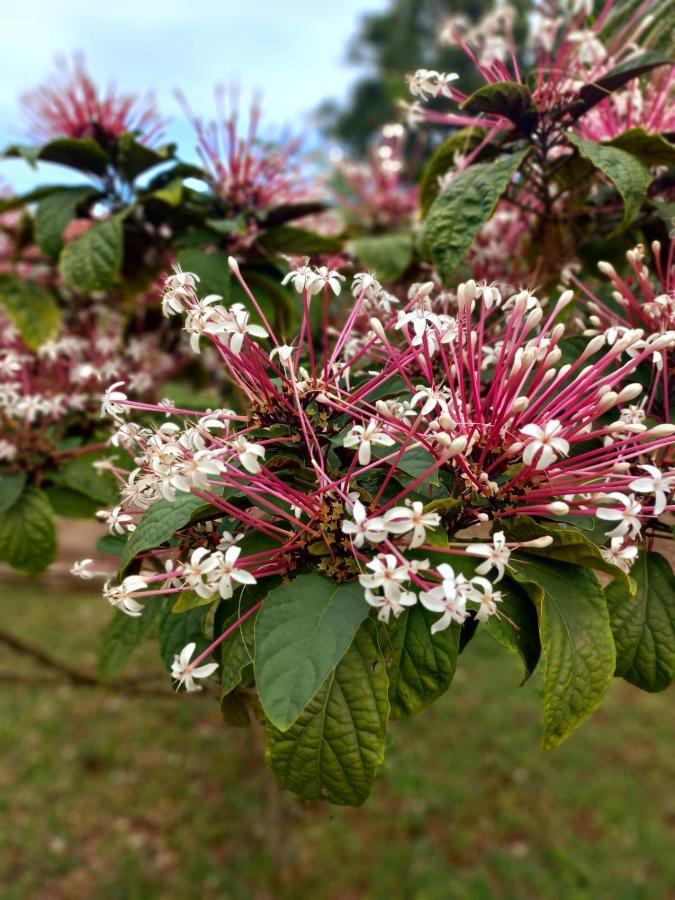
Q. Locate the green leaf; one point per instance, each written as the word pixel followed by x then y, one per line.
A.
pixel 286 212
pixel 135 158
pixel 290 239
pixel 515 626
pixel 27 536
pixel 123 635
pixel 79 474
pixel 84 154
pixel 301 633
pixel 235 711
pixel 569 545
pixel 212 268
pixel 388 255
pixel 644 624
pixel 458 214
pixel 160 522
pixel 337 744
pixel 420 665
pixel 72 504
pixel 53 215
pixel 629 175
pixel 505 98
pixel 191 600
pixel 175 632
pixel 596 91
pixel 238 650
pixel 11 488
pixel 111 544
pixel 653 149
pixel 576 639
pixel 93 261
pixel 463 141
pixel 16 200
pixel 32 308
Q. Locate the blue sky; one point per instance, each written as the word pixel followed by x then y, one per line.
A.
pixel 293 50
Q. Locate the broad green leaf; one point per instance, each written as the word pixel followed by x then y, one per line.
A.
pixel 515 625
pixel 644 624
pixel 335 747
pixel 160 522
pixel 191 600
pixel 79 474
pixel 123 635
pixel 653 149
pixel 32 308
pixel 629 175
pixel 576 640
pixel 234 710
pixel 388 255
pixel 11 488
pixel 458 214
pixel 596 91
pixel 53 215
pixel 212 269
pixel 93 261
pixel 16 200
pixel 460 143
pixel 84 154
pixel 134 158
pixel 286 212
pixel 420 665
pixel 111 544
pixel 290 239
pixel 569 545
pixel 505 98
pixel 69 503
pixel 237 652
pixel 301 633
pixel 176 632
pixel 27 536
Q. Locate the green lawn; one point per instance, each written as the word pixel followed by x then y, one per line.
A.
pixel 104 795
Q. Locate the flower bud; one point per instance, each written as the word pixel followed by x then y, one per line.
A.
pixel 378 329
pixel 659 431
pixel 606 268
pixel 558 508
pixel 607 401
pixel 544 541
pixel 519 404
pixel 233 264
pixel 593 346
pixel 557 332
pixel 630 392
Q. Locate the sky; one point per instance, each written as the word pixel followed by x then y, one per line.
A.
pixel 292 50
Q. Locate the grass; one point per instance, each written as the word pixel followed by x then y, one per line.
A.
pixel 104 795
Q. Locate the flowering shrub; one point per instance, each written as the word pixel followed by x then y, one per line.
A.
pixel 327 546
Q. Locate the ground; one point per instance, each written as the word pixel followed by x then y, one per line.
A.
pixel 116 797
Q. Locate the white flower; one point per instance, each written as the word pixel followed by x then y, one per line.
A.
pixel 393 604
pixel 433 397
pixel 112 400
pixel 402 519
pixel 81 568
pixel 367 284
pixel 285 353
pixel 448 598
pixel 483 592
pixel 427 83
pixel 363 528
pixel 627 518
pixel 195 470
pixel 303 278
pixel 364 437
pixel 202 570
pixel 387 574
pixel 119 595
pixel 547 441
pixel 620 554
pixel 229 572
pixel 327 278
pixel 248 454
pixel 496 554
pixel 185 673
pixel 118 522
pixel 656 483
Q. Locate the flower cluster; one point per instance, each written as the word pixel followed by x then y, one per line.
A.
pixel 367 459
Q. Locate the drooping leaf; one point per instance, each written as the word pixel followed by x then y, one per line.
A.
pixel 461 142
pixel 301 633
pixel 420 665
pixel 32 308
pixel 160 522
pixel 11 488
pixel 388 255
pixel 515 626
pixel 653 149
pixel 505 98
pixel 576 641
pixel 644 624
pixel 569 545
pixel 84 154
pixel 458 214
pixel 629 175
pixel 93 261
pixel 123 635
pixel 27 536
pixel 596 91
pixel 335 747
pixel 54 213
pixel 134 158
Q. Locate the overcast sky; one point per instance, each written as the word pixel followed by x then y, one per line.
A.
pixel 293 50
